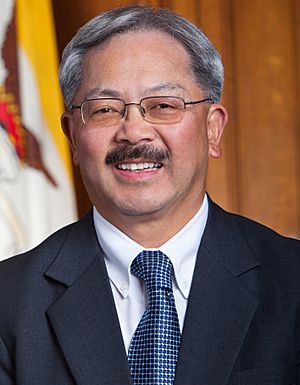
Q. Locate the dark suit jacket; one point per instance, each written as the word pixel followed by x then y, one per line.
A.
pixel 59 325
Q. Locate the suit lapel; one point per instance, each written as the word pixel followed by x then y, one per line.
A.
pixel 84 318
pixel 220 307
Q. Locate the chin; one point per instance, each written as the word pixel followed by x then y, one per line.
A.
pixel 139 208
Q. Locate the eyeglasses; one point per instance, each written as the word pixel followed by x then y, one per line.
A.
pixel 154 109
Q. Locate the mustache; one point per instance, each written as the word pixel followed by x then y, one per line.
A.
pixel 131 152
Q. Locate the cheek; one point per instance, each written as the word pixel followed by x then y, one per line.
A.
pixel 190 143
pixel 91 160
pixel 91 145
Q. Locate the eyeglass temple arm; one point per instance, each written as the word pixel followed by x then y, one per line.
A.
pixel 72 107
pixel 199 101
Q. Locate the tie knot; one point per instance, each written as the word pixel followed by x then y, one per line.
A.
pixel 155 268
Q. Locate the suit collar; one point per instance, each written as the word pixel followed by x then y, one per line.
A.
pixel 221 305
pixel 225 241
pixel 222 238
pixel 77 252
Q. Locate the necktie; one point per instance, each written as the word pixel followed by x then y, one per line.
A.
pixel 154 348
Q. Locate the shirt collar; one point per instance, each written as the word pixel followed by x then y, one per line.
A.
pixel 120 250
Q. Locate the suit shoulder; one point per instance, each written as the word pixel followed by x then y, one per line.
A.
pixel 36 261
pixel 264 234
pixel 238 242
pixel 261 239
pixel 20 269
pixel 24 285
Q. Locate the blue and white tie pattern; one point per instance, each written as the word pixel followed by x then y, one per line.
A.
pixel 154 348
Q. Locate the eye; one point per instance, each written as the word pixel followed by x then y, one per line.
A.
pixel 104 110
pixel 162 106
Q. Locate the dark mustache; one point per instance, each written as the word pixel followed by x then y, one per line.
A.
pixel 130 152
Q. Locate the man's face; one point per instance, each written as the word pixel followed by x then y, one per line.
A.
pixel 132 66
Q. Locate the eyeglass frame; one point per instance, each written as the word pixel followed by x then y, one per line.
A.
pixel 185 103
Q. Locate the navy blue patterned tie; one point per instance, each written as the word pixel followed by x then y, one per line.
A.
pixel 154 348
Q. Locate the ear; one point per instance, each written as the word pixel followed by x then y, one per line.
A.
pixel 216 121
pixel 68 126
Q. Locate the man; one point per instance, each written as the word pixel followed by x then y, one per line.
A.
pixel 142 88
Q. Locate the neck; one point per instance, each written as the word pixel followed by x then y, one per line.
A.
pixel 152 231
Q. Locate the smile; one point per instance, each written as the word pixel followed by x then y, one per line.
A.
pixel 138 166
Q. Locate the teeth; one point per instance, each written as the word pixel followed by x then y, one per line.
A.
pixel 138 166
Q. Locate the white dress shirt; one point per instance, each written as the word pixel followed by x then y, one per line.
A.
pixel 128 290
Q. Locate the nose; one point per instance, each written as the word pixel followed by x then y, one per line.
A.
pixel 133 128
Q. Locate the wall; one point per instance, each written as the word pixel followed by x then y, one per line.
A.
pixel 259 173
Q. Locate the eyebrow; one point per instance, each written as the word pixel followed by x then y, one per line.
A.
pixel 165 87
pixel 107 92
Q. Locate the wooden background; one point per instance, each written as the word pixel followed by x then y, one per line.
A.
pixel 259 40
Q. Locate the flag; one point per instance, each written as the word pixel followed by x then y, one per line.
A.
pixel 36 189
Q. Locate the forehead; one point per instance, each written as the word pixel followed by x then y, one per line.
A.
pixel 140 60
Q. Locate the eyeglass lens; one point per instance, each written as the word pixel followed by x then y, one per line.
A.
pixel 154 110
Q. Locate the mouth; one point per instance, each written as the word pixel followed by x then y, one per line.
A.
pixel 138 167
pixel 137 163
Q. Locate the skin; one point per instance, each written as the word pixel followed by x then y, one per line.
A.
pixel 150 207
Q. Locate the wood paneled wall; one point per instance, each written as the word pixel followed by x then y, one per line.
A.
pixel 259 173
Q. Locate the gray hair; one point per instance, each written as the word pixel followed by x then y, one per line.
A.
pixel 205 61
